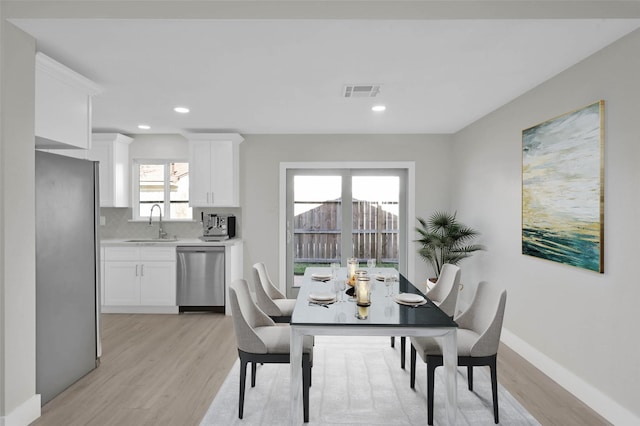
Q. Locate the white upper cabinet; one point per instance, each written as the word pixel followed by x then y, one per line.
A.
pixel 214 169
pixel 112 151
pixel 63 106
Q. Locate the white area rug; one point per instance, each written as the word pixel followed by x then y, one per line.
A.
pixel 358 381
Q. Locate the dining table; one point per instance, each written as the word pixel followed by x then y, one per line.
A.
pixel 385 316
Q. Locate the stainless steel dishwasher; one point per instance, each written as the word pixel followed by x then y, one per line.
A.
pixel 200 278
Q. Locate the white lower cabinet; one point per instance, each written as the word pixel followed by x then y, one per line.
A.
pixel 158 283
pixel 122 283
pixel 139 276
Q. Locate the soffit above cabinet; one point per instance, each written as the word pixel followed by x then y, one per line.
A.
pixel 63 106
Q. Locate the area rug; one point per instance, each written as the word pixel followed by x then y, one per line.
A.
pixel 358 381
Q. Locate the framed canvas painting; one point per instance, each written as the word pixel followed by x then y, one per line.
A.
pixel 563 188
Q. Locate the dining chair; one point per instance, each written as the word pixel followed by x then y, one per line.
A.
pixel 269 298
pixel 444 294
pixel 445 291
pixel 261 340
pixel 478 338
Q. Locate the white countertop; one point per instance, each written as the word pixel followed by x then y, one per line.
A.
pixel 179 242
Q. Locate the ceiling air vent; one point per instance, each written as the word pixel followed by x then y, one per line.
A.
pixel 361 90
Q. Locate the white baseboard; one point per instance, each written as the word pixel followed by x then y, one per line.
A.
pixel 594 398
pixel 24 414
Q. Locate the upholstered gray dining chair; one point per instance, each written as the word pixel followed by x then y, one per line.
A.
pixel 445 291
pixel 479 329
pixel 269 298
pixel 444 294
pixel 261 340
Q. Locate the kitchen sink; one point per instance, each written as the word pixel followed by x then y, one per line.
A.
pixel 152 240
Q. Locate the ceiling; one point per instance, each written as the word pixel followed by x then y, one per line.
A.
pixel 276 76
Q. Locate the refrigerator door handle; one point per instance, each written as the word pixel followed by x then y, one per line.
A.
pixel 99 283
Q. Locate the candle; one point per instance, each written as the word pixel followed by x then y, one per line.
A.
pixel 363 312
pixel 352 264
pixel 363 293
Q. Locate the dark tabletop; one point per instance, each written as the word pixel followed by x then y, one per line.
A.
pixel 383 311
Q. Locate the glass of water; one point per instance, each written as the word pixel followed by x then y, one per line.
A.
pixel 339 286
pixel 335 268
pixel 371 263
pixel 389 279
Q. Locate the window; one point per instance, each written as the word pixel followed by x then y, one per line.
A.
pixel 333 214
pixel 165 183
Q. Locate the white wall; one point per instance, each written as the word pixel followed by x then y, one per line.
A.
pixel 18 401
pixel 578 326
pixel 260 158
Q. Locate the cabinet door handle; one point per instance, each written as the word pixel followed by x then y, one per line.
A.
pixel 136 270
pixel 142 270
pixel 212 198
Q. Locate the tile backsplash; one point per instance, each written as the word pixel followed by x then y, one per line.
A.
pixel 118 224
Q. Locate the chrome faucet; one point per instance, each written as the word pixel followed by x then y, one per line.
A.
pixel 161 233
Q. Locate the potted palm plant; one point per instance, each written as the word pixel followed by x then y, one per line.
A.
pixel 445 240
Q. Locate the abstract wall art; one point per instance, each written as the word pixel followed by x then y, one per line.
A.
pixel 563 189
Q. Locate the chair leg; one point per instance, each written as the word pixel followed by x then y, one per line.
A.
pixel 412 375
pixel 431 370
pixel 253 374
pixel 393 341
pixel 470 377
pixel 403 341
pixel 494 388
pixel 243 377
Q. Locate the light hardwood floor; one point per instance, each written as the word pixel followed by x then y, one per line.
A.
pixel 166 370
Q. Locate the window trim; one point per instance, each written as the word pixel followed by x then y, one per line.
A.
pixel 135 187
pixel 372 165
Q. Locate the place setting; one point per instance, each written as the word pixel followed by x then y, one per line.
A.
pixel 321 277
pixel 410 299
pixel 323 299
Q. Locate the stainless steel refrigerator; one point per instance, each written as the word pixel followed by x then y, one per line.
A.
pixel 67 271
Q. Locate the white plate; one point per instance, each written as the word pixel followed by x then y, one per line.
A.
pixel 322 297
pixel 409 298
pixel 327 302
pixel 321 277
pixel 424 302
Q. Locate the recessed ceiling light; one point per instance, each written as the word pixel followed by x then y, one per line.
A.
pixel 181 110
pixel 144 126
pixel 378 108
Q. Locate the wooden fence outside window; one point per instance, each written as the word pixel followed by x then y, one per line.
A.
pixel 317 235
